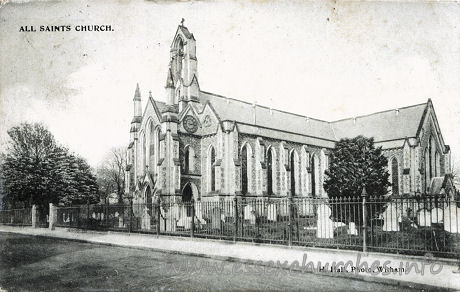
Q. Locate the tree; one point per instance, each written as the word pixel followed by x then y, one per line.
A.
pixel 110 173
pixel 36 170
pixel 355 163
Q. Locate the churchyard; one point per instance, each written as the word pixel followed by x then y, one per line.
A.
pixel 406 225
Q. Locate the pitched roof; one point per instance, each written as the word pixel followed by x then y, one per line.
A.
pixel 387 125
pixel 186 32
pixel 162 106
pixel 383 126
pixel 261 116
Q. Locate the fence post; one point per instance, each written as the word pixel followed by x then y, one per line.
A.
pixel 192 229
pixel 290 220
pixel 34 216
pixel 52 216
pixel 235 215
pixel 364 195
pixel 158 206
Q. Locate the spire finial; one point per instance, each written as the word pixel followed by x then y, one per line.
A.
pixel 137 94
pixel 170 79
pixel 182 22
pixel 150 93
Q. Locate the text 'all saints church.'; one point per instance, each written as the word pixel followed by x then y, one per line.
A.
pixel 205 146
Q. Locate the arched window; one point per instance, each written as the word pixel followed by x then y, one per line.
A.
pixel 437 165
pixel 432 149
pixel 144 152
pixel 394 176
pixel 152 147
pixel 186 159
pixel 157 148
pixel 148 197
pixel 427 170
pixel 269 171
pixel 244 170
pixel 212 169
pixel 315 175
pixel 293 172
pixel 313 179
pixel 179 57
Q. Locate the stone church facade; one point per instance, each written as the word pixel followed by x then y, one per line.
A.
pixel 205 146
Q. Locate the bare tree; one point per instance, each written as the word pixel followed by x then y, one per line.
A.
pixel 110 173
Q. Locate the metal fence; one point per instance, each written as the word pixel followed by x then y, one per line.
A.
pixel 138 218
pixel 407 225
pixel 21 217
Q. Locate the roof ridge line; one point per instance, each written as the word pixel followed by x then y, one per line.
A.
pixel 264 106
pixel 379 112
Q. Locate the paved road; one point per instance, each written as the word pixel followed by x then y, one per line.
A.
pixel 40 264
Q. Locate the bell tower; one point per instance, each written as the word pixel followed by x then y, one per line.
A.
pixel 182 80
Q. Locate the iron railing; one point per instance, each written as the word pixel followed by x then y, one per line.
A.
pixel 21 217
pixel 407 225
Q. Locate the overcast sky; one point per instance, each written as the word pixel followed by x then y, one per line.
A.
pixel 322 59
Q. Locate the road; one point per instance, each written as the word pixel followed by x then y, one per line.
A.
pixel 42 264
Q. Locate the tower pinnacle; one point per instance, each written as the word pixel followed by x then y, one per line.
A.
pixel 137 94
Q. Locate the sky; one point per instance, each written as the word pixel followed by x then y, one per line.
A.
pixel 327 60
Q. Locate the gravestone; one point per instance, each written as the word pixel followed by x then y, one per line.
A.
pixel 199 213
pixel 145 221
pixel 34 216
pixel 352 228
pixel 169 218
pixel 306 208
pixel 272 212
pixel 437 215
pixel 185 222
pixel 120 222
pixel 424 217
pixel 325 225
pixel 452 218
pixel 390 218
pixel 249 214
pixel 283 208
pixel 216 217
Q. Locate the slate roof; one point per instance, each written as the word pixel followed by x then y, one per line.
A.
pixel 162 106
pixel 261 116
pixel 383 126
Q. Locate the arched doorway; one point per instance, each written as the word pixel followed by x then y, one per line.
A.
pixel 189 192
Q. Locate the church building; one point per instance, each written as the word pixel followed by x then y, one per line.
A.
pixel 205 146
